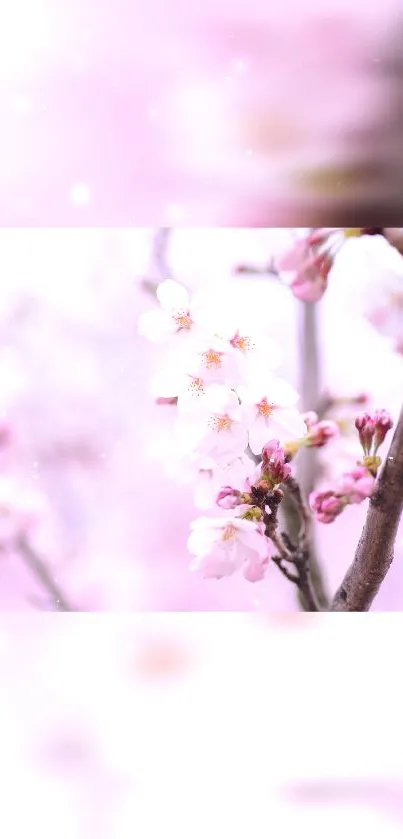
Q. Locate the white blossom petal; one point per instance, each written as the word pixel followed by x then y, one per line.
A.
pixel 172 295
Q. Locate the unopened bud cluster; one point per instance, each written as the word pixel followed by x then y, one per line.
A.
pixel 372 430
pixel 274 470
pixel 355 486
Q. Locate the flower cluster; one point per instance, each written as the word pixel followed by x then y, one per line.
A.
pixel 373 430
pixel 238 425
pixel 358 484
pixel 232 410
pixel 224 545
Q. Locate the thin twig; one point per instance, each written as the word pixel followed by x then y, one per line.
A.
pixel 293 578
pixel 39 570
pixel 375 549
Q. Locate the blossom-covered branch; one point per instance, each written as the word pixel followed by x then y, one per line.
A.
pixel 239 432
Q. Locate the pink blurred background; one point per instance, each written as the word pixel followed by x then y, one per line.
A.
pixel 74 387
pixel 117 726
pixel 161 112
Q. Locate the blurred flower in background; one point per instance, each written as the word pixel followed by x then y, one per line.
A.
pixel 222 114
pixel 114 726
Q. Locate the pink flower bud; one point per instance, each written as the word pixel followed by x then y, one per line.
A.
pixel 326 506
pixel 274 466
pixel 356 485
pixel 383 423
pixel 269 449
pixel 228 498
pixel 365 426
pixel 322 432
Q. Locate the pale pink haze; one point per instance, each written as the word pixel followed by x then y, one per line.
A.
pixel 196 114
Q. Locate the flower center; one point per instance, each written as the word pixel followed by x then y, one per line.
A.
pixel 241 342
pixel 228 532
pixel 196 386
pixel 212 359
pixel 182 320
pixel 221 422
pixel 265 409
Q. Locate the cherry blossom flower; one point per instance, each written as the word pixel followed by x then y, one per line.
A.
pixel 213 424
pixel 234 476
pixel 209 360
pixel 208 477
pixel 268 410
pixel 176 317
pixel 222 546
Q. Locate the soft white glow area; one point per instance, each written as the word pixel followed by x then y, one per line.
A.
pixel 200 110
pixel 80 194
pixel 25 36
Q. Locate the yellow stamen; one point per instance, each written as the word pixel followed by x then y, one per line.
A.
pixel 182 320
pixel 264 408
pixel 221 423
pixel 212 358
pixel 196 386
pixel 241 342
pixel 228 532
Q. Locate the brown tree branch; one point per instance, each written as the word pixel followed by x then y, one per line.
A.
pixel 297 554
pixel 375 549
